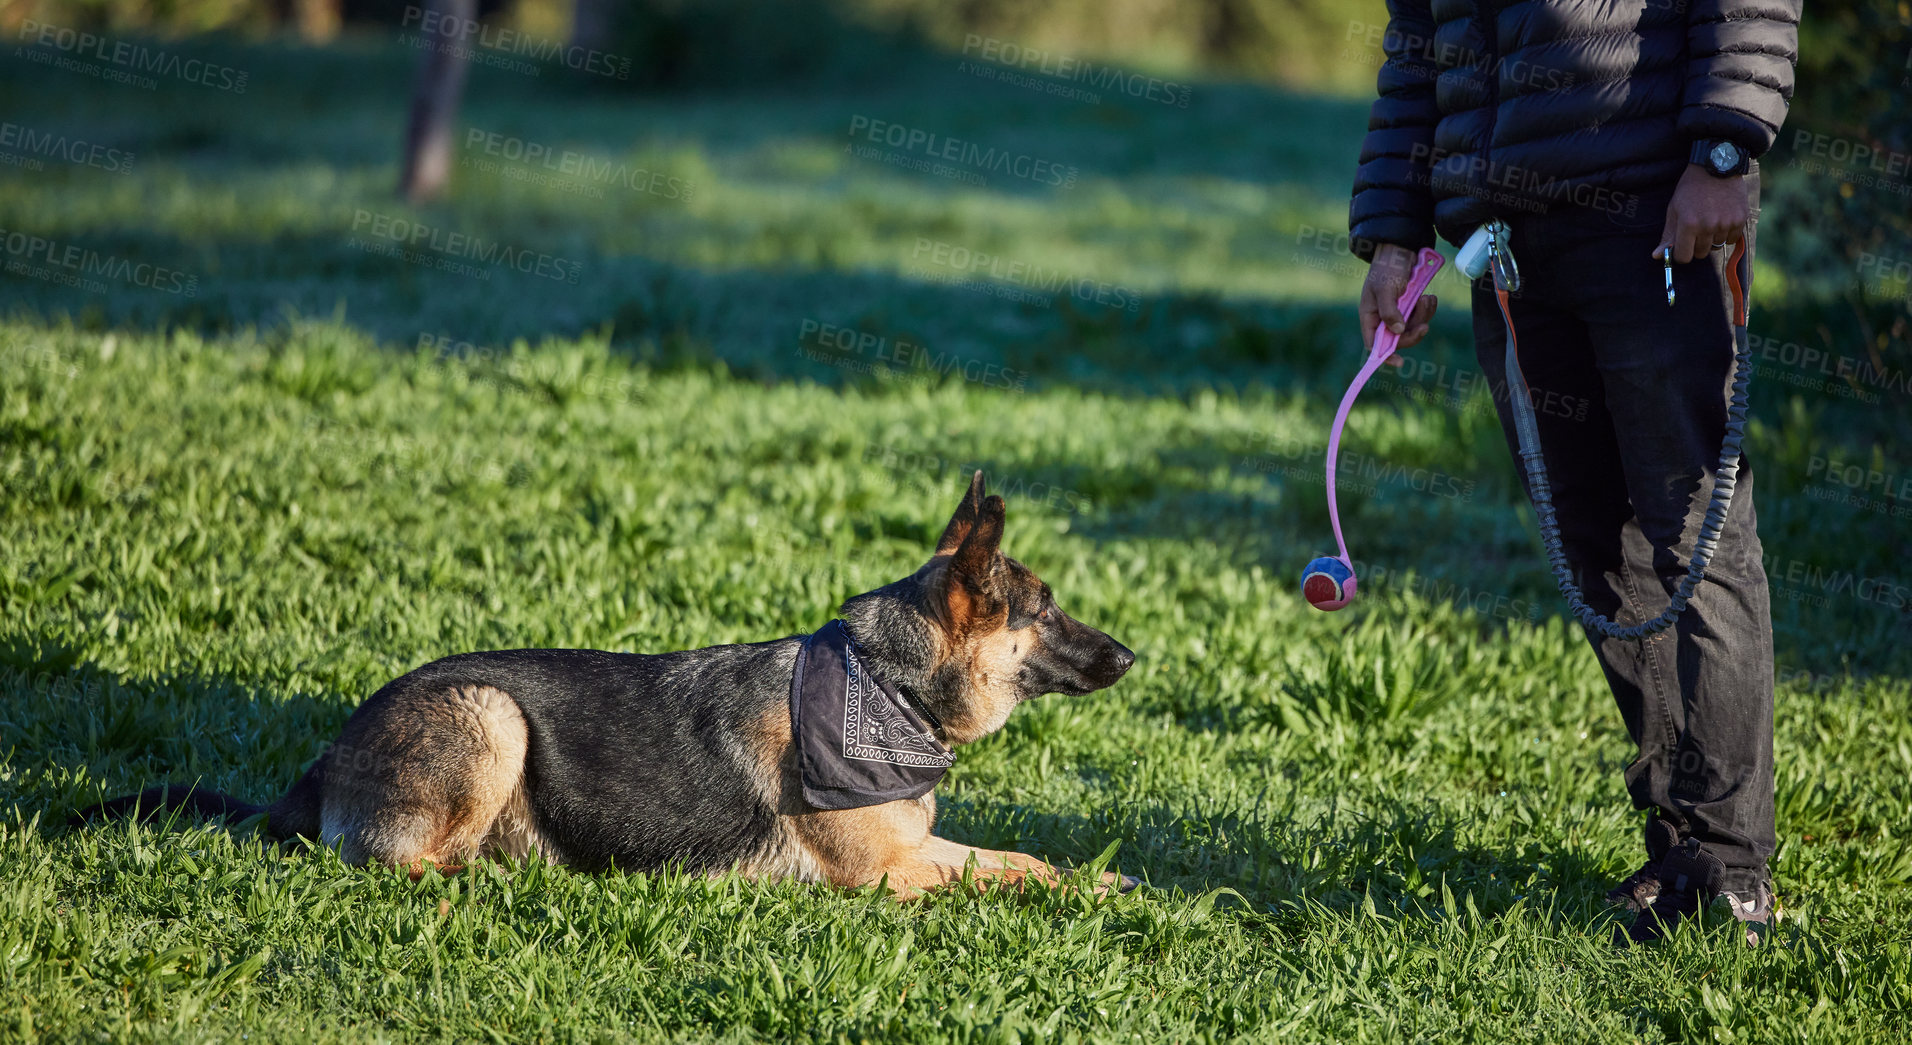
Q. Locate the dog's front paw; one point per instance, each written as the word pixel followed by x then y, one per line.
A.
pixel 1117 883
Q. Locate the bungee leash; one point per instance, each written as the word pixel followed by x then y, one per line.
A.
pixel 1328 583
pixel 1527 432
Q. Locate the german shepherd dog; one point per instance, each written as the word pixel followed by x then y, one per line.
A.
pixel 688 759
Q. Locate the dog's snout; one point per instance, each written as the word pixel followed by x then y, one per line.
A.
pixel 1085 659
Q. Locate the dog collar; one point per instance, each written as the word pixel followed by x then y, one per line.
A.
pixel 860 742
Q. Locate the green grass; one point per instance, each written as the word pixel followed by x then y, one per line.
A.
pixel 227 519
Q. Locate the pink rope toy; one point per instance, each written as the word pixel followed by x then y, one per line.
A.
pixel 1328 583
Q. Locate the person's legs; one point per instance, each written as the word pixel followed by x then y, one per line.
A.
pixel 1610 557
pixel 1631 485
pixel 1668 377
pixel 1667 373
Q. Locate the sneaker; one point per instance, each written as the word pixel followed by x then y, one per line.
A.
pixel 1755 906
pixel 1689 879
pixel 1642 887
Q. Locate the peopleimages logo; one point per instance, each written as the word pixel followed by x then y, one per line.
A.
pixel 933 146
pixel 930 472
pixel 1813 584
pixel 71 264
pixel 1859 486
pixel 575 164
pixel 507 371
pixel 1882 275
pixel 1816 368
pixel 1427 56
pixel 1862 478
pixel 1377 578
pixel 1076 70
pixel 1889 162
pixel 468 32
pixel 418 235
pixel 129 58
pixel 1363 472
pixel 863 352
pixel 1511 184
pixel 1023 274
pixel 1859 163
pixel 76 151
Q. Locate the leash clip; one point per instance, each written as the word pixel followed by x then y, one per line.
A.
pixel 1666 265
pixel 1500 254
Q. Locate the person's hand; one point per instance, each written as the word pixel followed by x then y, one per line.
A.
pixel 1381 294
pixel 1706 212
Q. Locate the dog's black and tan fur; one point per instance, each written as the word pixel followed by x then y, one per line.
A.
pixel 638 762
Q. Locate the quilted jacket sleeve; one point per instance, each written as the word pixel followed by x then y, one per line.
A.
pixel 1393 199
pixel 1739 72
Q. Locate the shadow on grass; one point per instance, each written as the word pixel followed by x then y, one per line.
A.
pixel 756 102
pixel 1396 856
pixel 126 735
pixel 864 328
pixel 81 733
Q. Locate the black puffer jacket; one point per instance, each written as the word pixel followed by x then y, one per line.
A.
pixel 1503 107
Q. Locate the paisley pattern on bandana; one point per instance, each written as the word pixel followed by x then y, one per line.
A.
pixel 877 728
pixel 859 742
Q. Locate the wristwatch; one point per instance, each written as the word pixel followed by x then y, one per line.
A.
pixel 1721 158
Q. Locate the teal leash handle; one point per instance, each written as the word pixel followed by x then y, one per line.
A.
pixel 1725 475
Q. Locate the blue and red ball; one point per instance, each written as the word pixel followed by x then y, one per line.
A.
pixel 1327 583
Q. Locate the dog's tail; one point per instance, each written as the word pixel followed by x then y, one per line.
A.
pixel 168 798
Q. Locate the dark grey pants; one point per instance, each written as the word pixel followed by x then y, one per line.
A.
pixel 1631 398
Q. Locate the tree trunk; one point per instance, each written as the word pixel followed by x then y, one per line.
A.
pixel 441 80
pixel 591 24
pixel 318 20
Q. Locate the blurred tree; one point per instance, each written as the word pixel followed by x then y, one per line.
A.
pixel 318 20
pixel 441 80
pixel 594 21
pixel 1855 72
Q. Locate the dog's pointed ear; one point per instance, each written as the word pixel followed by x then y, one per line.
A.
pixel 965 518
pixel 972 583
pixel 977 560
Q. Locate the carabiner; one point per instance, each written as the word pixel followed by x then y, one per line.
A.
pixel 1501 255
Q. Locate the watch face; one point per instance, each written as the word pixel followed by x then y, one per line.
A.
pixel 1725 156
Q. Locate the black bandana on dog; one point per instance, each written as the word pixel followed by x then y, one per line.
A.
pixel 859 742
